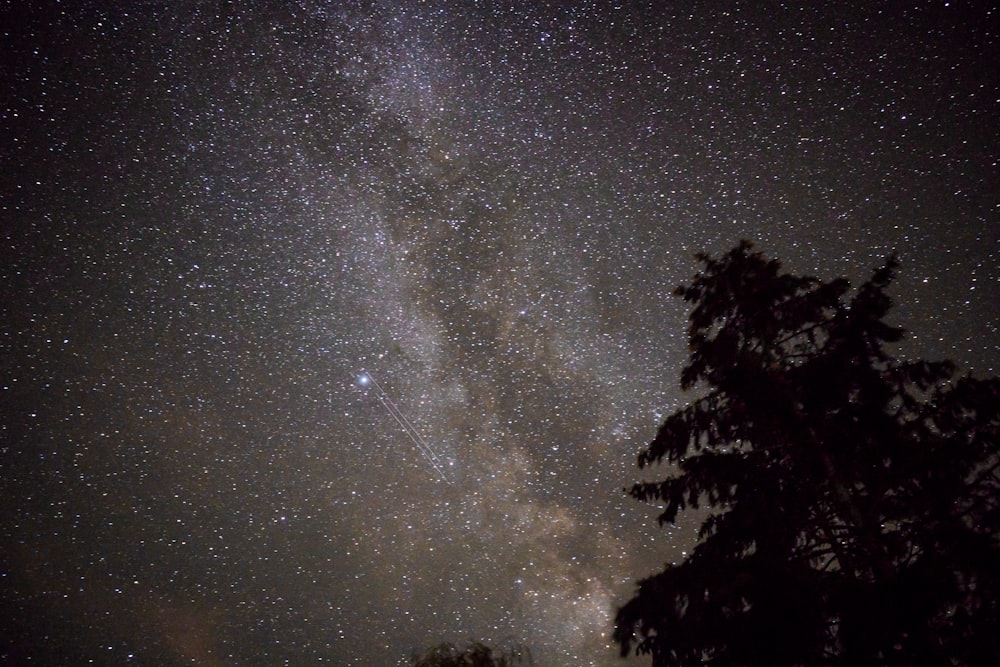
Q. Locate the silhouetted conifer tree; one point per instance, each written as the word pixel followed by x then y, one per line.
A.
pixel 850 497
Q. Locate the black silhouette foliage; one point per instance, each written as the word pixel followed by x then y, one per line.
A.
pixel 850 497
pixel 474 654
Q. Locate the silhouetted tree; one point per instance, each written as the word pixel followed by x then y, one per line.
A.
pixel 475 654
pixel 850 498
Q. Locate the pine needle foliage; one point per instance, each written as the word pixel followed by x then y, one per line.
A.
pixel 852 513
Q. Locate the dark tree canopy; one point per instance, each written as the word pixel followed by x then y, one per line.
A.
pixel 474 654
pixel 851 498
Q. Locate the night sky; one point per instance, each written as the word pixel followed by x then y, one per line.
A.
pixel 218 217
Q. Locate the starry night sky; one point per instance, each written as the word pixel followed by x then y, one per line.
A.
pixel 216 217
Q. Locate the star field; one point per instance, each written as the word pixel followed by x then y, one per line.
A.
pixel 216 217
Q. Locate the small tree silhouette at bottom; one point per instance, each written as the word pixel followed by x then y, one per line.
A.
pixel 474 654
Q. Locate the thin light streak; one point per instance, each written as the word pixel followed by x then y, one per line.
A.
pixel 422 446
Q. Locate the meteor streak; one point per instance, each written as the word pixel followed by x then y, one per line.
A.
pixel 366 379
